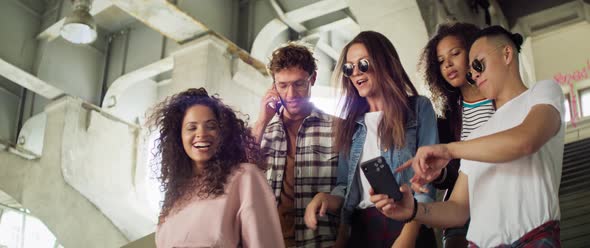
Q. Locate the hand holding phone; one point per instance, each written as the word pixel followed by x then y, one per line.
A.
pixel 380 177
pixel 276 105
pixel 277 102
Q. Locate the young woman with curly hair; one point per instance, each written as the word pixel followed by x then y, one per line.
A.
pixel 445 63
pixel 215 195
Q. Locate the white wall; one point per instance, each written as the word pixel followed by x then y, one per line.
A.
pixel 564 50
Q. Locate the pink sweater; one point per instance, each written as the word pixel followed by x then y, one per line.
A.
pixel 245 216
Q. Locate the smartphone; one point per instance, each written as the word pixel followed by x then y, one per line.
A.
pixel 380 177
pixel 278 104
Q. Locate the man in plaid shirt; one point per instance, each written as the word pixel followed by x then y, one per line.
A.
pixel 296 139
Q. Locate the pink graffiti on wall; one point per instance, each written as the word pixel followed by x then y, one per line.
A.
pixel 570 79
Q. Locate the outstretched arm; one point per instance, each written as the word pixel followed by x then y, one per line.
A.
pixel 541 124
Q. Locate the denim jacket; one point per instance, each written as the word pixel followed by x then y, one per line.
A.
pixel 421 130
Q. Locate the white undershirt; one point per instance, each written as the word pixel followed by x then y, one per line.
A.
pixel 371 150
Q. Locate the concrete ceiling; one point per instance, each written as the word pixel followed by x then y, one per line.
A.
pixel 113 19
pixel 514 9
pixel 289 5
pixel 37 6
pixel 314 6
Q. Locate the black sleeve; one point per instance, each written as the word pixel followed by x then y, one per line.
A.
pixel 452 172
pixel 447 179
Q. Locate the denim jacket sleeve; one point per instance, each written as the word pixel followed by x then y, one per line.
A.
pixel 427 135
pixel 341 176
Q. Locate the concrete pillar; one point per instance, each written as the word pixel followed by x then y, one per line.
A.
pixel 40 186
pixel 207 62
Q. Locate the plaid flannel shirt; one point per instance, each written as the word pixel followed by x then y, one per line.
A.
pixel 315 171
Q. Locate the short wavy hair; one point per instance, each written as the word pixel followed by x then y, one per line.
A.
pixel 292 54
pixel 178 177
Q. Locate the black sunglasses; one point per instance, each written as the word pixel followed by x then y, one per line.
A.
pixel 479 67
pixel 348 68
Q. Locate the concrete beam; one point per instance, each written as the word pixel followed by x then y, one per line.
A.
pixel 330 51
pixel 164 17
pixel 160 15
pixel 315 10
pixel 121 84
pixel 29 81
pixel 52 31
pixel 271 35
pixel 124 82
pixel 283 17
pixel 347 24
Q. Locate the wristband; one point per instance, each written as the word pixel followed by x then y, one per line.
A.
pixel 413 213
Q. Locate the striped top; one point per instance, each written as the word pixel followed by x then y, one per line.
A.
pixel 476 114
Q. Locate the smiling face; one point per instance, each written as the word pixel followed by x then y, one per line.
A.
pixel 294 86
pixel 200 134
pixel 453 61
pixel 364 82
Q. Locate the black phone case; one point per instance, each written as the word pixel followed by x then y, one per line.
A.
pixel 380 177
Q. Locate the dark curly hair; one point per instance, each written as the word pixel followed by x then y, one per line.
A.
pixel 443 93
pixel 178 175
pixel 446 98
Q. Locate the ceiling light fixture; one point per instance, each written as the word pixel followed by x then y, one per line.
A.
pixel 79 27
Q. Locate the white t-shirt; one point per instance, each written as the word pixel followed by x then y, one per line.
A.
pixel 507 200
pixel 371 150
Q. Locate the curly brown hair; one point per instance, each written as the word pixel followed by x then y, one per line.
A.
pixel 292 55
pixel 445 97
pixel 443 93
pixel 178 176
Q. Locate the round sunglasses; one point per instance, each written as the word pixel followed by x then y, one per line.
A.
pixel 348 68
pixel 478 66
